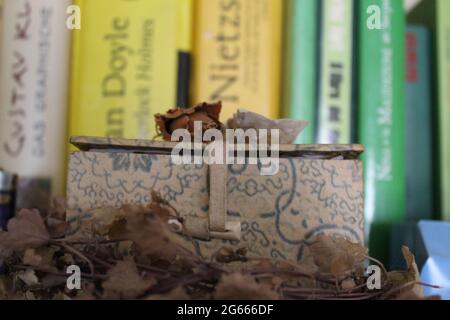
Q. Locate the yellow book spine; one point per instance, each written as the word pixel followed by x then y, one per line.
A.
pixel 237 54
pixel 125 66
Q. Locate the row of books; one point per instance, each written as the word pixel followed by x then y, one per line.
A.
pixel 340 64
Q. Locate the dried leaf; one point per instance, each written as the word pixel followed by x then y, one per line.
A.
pixel 28 277
pixel 118 229
pixel 31 258
pixel 348 284
pixel 68 259
pixel 288 129
pixel 57 228
pixel 41 258
pixel 26 230
pixel 402 278
pixel 57 209
pixel 161 208
pixel 337 255
pixel 237 286
pixel 228 255
pixel 102 220
pixel 207 113
pixel 125 282
pixel 151 235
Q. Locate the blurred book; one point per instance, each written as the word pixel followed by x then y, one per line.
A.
pixel 130 61
pixel 419 147
pixel 237 55
pixel 184 36
pixel 336 117
pixel 436 15
pixel 419 124
pixel 301 47
pixel 381 101
pixel 34 68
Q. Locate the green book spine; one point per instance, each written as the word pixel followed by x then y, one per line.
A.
pixel 419 181
pixel 336 65
pixel 444 103
pixel 436 14
pixel 300 64
pixel 382 117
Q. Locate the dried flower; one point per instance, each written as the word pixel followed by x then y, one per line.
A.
pixel 207 113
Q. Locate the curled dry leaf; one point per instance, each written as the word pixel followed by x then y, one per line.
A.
pixel 149 232
pixel 411 275
pixel 237 286
pixel 207 113
pixel 336 255
pixel 26 230
pixel 288 129
pixel 125 282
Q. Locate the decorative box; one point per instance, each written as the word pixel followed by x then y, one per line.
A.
pixel 318 189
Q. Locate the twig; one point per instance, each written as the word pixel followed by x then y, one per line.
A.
pixel 395 290
pixel 99 261
pixel 77 253
pixel 89 242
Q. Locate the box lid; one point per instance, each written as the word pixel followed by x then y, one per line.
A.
pixel 98 144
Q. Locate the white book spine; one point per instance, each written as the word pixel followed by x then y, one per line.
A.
pixel 34 64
